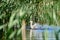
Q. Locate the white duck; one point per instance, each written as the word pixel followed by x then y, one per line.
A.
pixel 35 25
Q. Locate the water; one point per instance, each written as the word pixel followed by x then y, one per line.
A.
pixel 39 35
pixel 48 34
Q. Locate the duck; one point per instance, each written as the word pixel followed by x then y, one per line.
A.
pixel 35 25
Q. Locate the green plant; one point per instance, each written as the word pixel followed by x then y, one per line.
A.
pixel 12 12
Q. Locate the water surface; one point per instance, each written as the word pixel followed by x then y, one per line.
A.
pixel 45 34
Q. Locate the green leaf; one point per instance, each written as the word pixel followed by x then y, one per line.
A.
pixel 12 23
pixel 19 31
pixel 21 12
pixel 2 15
pixel 12 35
pixel 3 26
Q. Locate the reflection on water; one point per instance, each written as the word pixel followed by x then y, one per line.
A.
pixel 59 36
pixel 37 34
pixel 40 35
pixel 43 34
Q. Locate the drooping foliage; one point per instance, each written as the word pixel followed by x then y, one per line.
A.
pixel 12 12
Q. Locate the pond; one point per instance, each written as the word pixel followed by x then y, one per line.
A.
pixel 43 34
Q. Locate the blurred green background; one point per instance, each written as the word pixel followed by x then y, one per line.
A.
pixel 13 12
